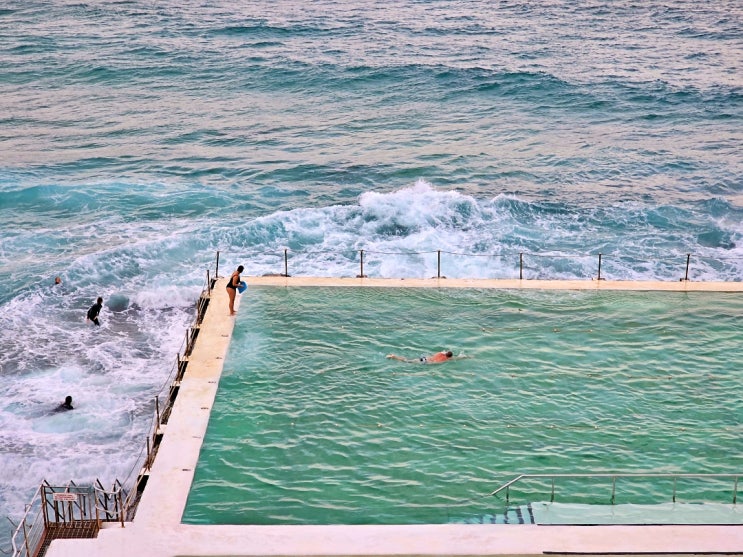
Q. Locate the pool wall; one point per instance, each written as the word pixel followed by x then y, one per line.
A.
pixel 157 531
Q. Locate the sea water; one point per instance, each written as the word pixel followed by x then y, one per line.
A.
pixel 137 138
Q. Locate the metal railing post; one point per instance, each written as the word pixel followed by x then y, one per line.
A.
pixel 686 275
pixel 148 453
pixel 735 490
pixel 216 270
pixel 613 488
pixel 95 508
pixel 208 282
pixel 674 489
pixel 438 265
pixel 362 275
pixel 552 495
pixel 120 505
pixel 157 411
pixel 25 537
pixel 286 263
pixel 44 510
pixel 599 278
pixel 521 266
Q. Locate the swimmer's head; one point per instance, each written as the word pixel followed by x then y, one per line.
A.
pixel 449 354
pixel 68 399
pixel 240 269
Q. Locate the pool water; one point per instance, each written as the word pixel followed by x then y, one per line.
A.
pixel 312 424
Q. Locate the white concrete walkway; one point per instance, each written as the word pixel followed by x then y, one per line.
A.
pixel 158 532
pixel 516 284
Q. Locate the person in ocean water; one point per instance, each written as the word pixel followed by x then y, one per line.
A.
pixel 66 405
pixel 232 285
pixel 94 310
pixel 436 358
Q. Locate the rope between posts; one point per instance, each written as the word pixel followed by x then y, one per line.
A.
pixel 135 465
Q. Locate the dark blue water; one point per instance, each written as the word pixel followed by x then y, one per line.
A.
pixel 137 138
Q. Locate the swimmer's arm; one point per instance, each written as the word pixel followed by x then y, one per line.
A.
pixel 400 358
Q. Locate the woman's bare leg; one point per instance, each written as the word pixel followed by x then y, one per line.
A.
pixel 231 294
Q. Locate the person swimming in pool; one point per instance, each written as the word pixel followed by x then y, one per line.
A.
pixel 437 358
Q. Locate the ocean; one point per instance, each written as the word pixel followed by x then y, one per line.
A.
pixel 138 138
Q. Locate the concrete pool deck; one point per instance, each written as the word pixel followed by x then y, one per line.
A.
pixel 156 530
pixel 505 284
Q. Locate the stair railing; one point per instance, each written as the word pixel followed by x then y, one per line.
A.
pixel 552 477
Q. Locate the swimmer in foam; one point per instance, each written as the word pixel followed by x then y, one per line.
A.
pixel 94 310
pixel 437 358
pixel 66 405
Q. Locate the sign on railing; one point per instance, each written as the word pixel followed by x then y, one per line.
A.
pixel 69 497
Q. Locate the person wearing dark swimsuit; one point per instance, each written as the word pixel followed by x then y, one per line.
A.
pixel 232 285
pixel 66 405
pixel 94 310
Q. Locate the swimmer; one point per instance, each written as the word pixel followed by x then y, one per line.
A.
pixel 437 358
pixel 94 310
pixel 66 405
pixel 57 280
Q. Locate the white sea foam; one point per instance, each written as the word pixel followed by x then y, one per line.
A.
pixel 403 231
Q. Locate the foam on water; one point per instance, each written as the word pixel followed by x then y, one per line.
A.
pixel 402 231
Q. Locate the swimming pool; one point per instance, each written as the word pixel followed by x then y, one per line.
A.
pixel 313 425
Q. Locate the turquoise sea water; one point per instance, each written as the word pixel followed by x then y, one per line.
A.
pixel 138 137
pixel 314 425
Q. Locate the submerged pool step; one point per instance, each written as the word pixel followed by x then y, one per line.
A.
pixel 628 514
pixel 515 515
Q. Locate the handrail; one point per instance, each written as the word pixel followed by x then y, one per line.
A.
pixel 518 261
pixel 169 387
pixel 614 477
pixel 31 537
pixel 102 496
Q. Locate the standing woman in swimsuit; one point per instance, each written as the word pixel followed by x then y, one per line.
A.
pixel 232 285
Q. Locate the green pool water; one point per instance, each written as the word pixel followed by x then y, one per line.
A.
pixel 314 425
